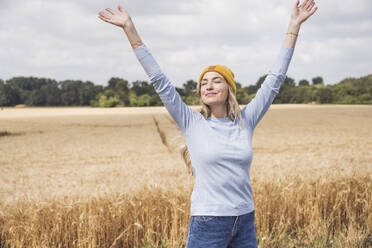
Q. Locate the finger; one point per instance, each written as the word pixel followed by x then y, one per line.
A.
pixel 296 4
pixel 306 4
pixel 310 6
pixel 104 19
pixel 313 11
pixel 302 4
pixel 103 14
pixel 111 11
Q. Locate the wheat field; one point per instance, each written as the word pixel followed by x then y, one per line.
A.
pixel 91 177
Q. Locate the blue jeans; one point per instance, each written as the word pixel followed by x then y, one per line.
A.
pixel 222 231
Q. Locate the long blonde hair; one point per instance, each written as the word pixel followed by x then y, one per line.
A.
pixel 233 112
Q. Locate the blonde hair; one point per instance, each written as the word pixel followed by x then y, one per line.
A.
pixel 233 112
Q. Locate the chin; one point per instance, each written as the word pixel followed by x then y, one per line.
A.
pixel 209 103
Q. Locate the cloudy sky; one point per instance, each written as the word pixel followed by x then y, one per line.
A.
pixel 66 39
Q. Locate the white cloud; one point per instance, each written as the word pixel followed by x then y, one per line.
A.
pixel 66 39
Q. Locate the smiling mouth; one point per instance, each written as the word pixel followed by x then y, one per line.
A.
pixel 210 94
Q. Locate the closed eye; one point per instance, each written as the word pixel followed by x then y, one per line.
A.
pixel 215 81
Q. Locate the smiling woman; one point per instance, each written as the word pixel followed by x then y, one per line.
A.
pixel 219 138
pixel 218 81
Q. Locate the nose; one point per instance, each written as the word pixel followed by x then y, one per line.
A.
pixel 209 85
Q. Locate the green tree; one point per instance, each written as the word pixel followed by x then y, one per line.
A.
pixel 301 94
pixel 285 94
pixel 26 87
pixel 303 82
pixel 252 89
pixel 181 91
pixel 142 87
pixel 70 92
pixel 192 100
pixel 107 102
pixel 36 98
pixel 144 100
pixel 28 83
pixel 190 87
pixel 132 99
pixel 317 80
pixel 286 91
pixel 8 95
pixel 344 92
pixel 241 94
pixel 120 86
pixel 155 100
pixel 106 99
pixel 52 94
pixel 87 92
pixel 112 83
pixel 123 92
pixel 324 95
pixel 288 81
pixel 365 98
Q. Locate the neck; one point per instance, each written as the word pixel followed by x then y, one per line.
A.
pixel 218 111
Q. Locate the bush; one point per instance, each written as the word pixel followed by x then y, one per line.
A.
pixel 144 100
pixel 324 95
pixel 192 100
pixel 104 101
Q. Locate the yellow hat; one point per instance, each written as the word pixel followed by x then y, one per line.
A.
pixel 224 71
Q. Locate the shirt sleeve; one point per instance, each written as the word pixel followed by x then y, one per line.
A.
pixel 255 109
pixel 181 113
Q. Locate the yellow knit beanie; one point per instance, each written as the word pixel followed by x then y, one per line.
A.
pixel 224 71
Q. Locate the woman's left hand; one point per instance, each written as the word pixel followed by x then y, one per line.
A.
pixel 302 12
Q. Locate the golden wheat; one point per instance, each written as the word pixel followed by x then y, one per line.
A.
pixel 85 177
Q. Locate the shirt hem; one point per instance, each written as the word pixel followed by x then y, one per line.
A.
pixel 221 211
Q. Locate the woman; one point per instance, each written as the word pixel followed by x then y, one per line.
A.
pixel 219 138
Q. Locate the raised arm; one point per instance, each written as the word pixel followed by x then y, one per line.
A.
pixel 255 110
pixel 124 21
pixel 300 13
pixel 182 114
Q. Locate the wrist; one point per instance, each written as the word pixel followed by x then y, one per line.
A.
pixel 294 27
pixel 127 24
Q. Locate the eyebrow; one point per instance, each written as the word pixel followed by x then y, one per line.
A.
pixel 204 79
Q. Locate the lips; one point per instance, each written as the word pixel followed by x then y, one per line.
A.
pixel 210 94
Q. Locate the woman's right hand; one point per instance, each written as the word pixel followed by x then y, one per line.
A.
pixel 120 19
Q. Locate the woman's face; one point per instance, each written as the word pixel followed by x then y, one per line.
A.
pixel 213 88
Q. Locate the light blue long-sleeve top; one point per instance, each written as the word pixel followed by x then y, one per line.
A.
pixel 220 151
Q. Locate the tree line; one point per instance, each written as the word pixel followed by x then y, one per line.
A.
pixel 34 91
